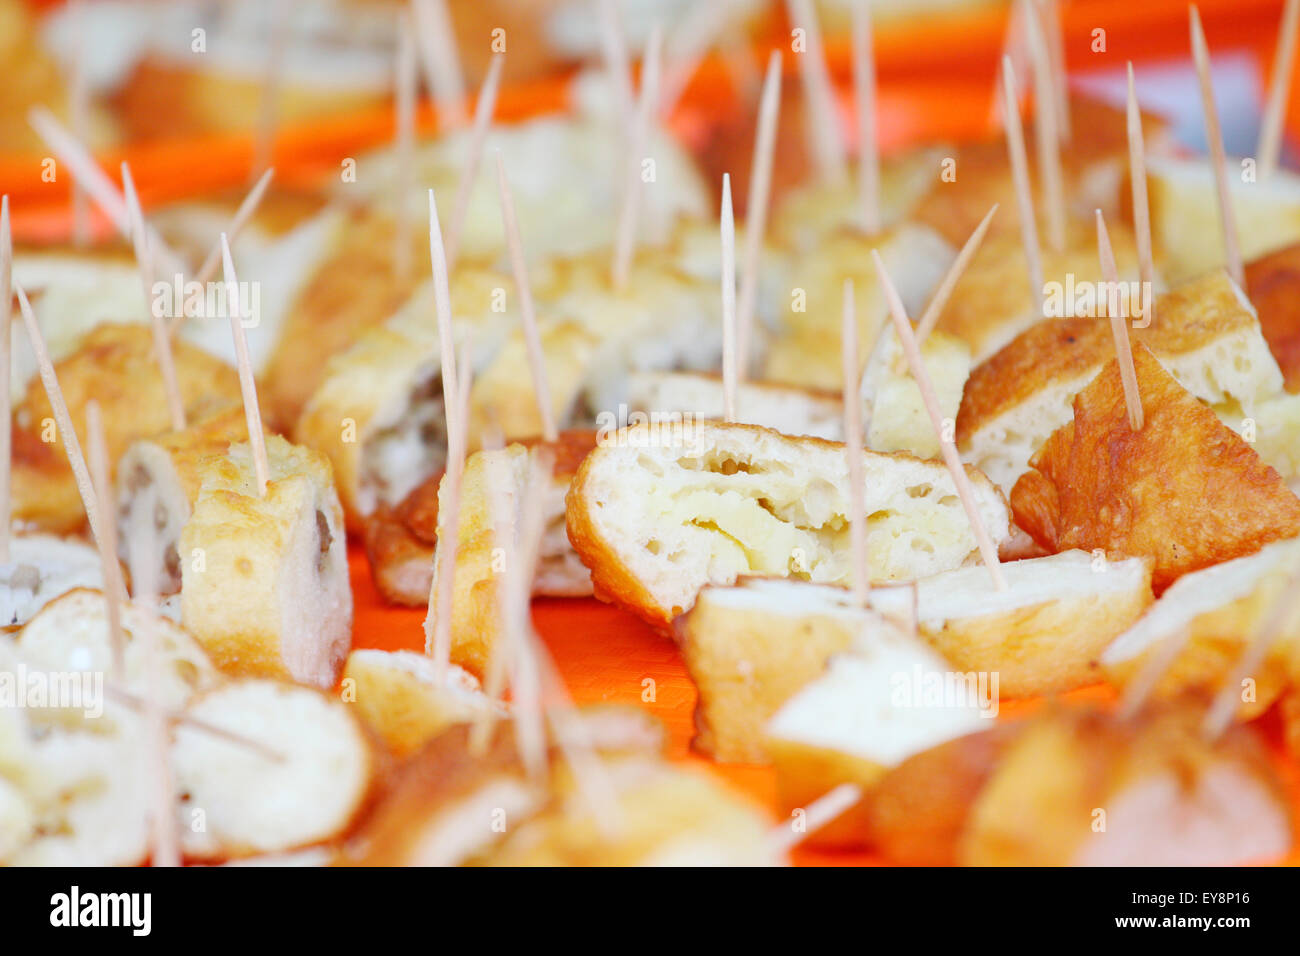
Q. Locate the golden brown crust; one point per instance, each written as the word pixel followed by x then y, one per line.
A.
pixel 1185 491
pixel 1273 283
pixel 805 773
pixel 115 366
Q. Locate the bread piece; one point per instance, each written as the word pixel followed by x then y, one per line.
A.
pixel 70 636
pixel 115 365
pixel 782 408
pixel 377 413
pixel 991 302
pixel 1185 491
pixel 249 802
pixel 399 697
pixel 1082 788
pixel 805 352
pixel 895 415
pixel 1185 214
pixel 657 513
pixel 1043 634
pixel 889 697
pixel 40 568
pixel 1204 332
pixel 1223 607
pixel 264 580
pixel 1271 282
pixel 750 646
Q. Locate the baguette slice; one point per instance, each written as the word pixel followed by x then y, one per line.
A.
pixel 1205 332
pixel 238 802
pixel 1044 633
pixel 42 567
pixel 1185 491
pixel 400 699
pixel 866 714
pixel 1223 607
pixel 264 581
pixel 659 513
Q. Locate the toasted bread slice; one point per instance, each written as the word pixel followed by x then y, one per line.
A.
pixel 1223 607
pixel 658 513
pixel 868 712
pixel 1043 634
pixel 1272 282
pixel 1185 491
pixel 1185 217
pixel 750 646
pixel 1205 333
pixel 42 567
pixel 237 801
pixel 400 699
pixel 264 580
pixel 1082 788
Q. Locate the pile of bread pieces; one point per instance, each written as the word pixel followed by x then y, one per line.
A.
pixel 866 536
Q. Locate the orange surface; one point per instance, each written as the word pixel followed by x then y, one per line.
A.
pixel 605 655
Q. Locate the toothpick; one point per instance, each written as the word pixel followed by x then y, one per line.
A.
pixel 728 226
pixel 1137 161
pixel 103 193
pixel 1155 666
pixel 162 345
pixel 1119 330
pixel 437 622
pixel 441 61
pixel 1024 192
pixel 501 512
pixel 243 215
pixel 934 309
pixel 247 385
pixel 525 676
pixel 541 382
pixel 114 587
pixel 264 141
pixel 903 326
pixel 614 49
pixel 629 216
pixel 1270 134
pixel 405 136
pixel 819 94
pixel 6 360
pixel 442 307
pixel 483 111
pixel 62 418
pixel 165 847
pixel 864 91
pixel 1226 702
pixel 124 696
pixel 853 445
pixel 829 806
pixel 1056 35
pixel 1045 128
pixel 760 190
pixel 699 29
pixel 1218 159
pixel 79 117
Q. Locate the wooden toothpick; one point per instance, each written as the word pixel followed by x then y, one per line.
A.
pixel 819 94
pixel 934 308
pixel 79 116
pixel 617 63
pixel 1119 329
pixel 760 190
pixel 268 109
pixel 442 306
pixel 1056 35
pixel 247 385
pixel 124 696
pixel 903 326
pixel 864 89
pixel 1045 127
pixel 853 445
pixel 114 587
pixel 6 360
pixel 829 806
pixel 536 360
pixel 62 418
pixel 243 216
pixel 1024 191
pixel 404 133
pixel 729 364
pixel 484 109
pixel 630 214
pixel 1269 150
pixel 162 343
pixel 438 51
pixel 1137 161
pixel 1218 159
